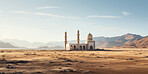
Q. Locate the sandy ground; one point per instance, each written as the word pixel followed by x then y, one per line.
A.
pixel 73 62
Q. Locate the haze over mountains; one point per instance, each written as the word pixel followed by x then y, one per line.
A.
pixel 127 40
pixel 6 45
pixel 27 44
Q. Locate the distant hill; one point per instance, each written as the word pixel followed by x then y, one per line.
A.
pixel 27 44
pixel 101 42
pixel 55 47
pixel 108 42
pixel 6 45
pixel 23 43
pixel 142 43
pixel 43 47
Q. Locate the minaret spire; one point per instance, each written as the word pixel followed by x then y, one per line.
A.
pixel 65 39
pixel 78 39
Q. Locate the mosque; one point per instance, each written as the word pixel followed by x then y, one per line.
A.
pixel 88 45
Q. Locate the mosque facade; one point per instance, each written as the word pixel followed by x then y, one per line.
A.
pixel 88 45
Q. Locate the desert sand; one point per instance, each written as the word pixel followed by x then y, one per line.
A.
pixel 113 61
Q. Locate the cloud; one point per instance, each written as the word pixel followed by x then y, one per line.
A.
pixel 52 19
pixel 84 22
pixel 42 14
pixel 112 29
pixel 46 7
pixel 1 11
pixel 95 16
pixel 54 15
pixel 125 13
pixel 20 12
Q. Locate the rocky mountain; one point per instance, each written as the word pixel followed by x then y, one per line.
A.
pixel 142 43
pixel 6 45
pixel 107 42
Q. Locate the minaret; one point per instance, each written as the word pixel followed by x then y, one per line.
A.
pixel 78 39
pixel 65 39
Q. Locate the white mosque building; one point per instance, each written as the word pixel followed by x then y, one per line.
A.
pixel 88 45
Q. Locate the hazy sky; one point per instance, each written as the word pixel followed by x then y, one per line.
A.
pixel 46 20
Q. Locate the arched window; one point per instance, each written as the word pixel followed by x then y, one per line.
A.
pixel 74 47
pixel 91 47
pixel 83 47
pixel 80 47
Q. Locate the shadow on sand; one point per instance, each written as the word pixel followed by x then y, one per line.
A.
pixel 91 50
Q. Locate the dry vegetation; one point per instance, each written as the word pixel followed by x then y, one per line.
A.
pixel 71 62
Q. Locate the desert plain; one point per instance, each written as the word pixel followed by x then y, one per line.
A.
pixel 108 61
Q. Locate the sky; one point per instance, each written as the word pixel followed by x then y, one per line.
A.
pixel 47 20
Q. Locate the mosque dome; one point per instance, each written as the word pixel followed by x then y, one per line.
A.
pixel 89 37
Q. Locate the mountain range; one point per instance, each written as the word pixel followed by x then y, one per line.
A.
pixel 127 40
pixel 142 43
pixel 108 42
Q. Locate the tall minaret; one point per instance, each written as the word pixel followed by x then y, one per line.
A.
pixel 65 39
pixel 78 39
